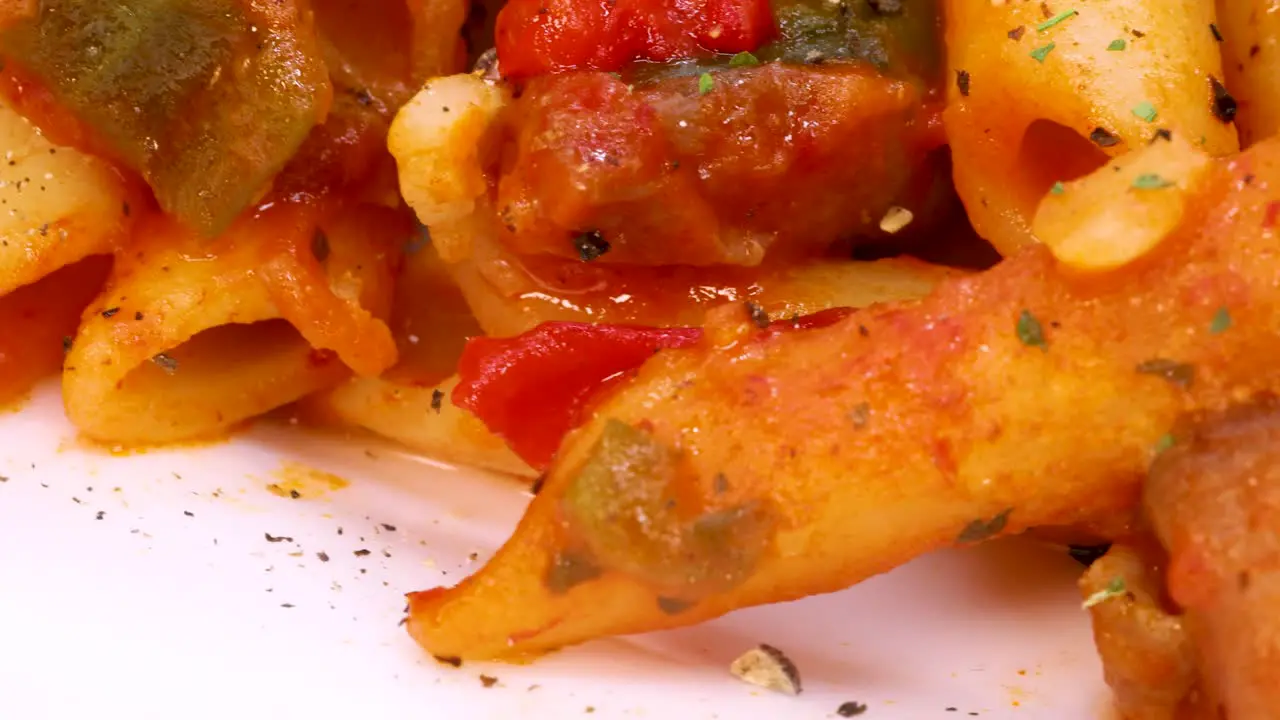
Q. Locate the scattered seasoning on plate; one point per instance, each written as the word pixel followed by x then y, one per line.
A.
pixel 273 539
pixel 488 680
pixel 706 83
pixel 1017 33
pixel 188 513
pixel 437 397
pixel 361 553
pixel 388 527
pixel 1030 331
pixel 851 709
pixel 1103 138
pixel 452 660
pixel 1179 373
pixel 1115 588
pixel 286 605
pixel 294 494
pixel 962 82
pixel 767 667
pixel 1151 181
pixel 1042 52
pixel 1224 105
pixel 101 514
pixel 1060 17
pixel 4 479
pixel 324 556
pixel 1221 321
pixel 758 316
pixel 980 530
pixel 1117 45
pixel 590 245
pixel 1146 111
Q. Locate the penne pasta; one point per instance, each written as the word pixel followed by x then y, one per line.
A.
pixel 1047 92
pixel 291 305
pixel 1250 31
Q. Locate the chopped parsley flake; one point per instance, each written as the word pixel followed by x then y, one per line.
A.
pixel 1165 442
pixel 1030 332
pixel 1117 45
pixel 1114 589
pixel 706 83
pixel 1146 111
pixel 1055 20
pixel 1043 51
pixel 743 59
pixel 1058 188
pixel 1150 181
pixel 1221 321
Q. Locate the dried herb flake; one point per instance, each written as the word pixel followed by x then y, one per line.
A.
pixel 1221 321
pixel 851 709
pixel 590 245
pixel 1115 588
pixel 706 83
pixel 743 59
pixel 1042 52
pixel 1030 331
pixel 980 530
pixel 962 82
pixel 758 316
pixel 1103 138
pixel 1151 181
pixel 1224 105
pixel 1179 373
pixel 437 397
pixel 1117 45
pixel 1146 111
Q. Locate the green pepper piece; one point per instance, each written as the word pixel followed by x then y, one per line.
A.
pixel 623 508
pixel 207 99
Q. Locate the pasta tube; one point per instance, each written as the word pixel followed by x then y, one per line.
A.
pixel 1250 31
pixel 765 466
pixel 1047 92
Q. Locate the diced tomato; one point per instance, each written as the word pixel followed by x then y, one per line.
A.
pixel 535 37
pixel 531 389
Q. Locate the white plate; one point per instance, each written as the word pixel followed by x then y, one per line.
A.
pixel 173 604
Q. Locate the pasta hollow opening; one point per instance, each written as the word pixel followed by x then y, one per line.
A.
pixel 1050 153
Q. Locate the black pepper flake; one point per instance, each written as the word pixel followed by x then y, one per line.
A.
pixel 388 527
pixel 1017 33
pixel 758 316
pixel 886 7
pixel 980 529
pixel 138 316
pixel 1224 105
pixel 488 680
pixel 324 556
pixel 590 245
pixel 101 514
pixel 110 312
pixel 361 553
pixel 1087 554
pixel 1162 134
pixel 1217 34
pixel 188 513
pixel 166 362
pixel 1137 33
pixel 452 660
pixel 962 82
pixel 851 709
pixel 1178 373
pixel 66 343
pixel 437 398
pixel 320 246
pixel 673 606
pixel 538 482
pixel 294 494
pixel 272 539
pixel 3 479
pixel 286 605
pixel 1103 138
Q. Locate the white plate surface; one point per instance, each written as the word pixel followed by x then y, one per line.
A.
pixel 144 587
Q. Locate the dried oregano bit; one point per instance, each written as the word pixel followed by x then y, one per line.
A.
pixel 757 314
pixel 1117 45
pixel 1151 181
pixel 962 82
pixel 1164 443
pixel 767 667
pixel 1030 331
pixel 1058 188
pixel 1042 52
pixel 1103 138
pixel 1224 106
pixel 1221 321
pixel 980 530
pixel 1179 373
pixel 1114 589
pixel 590 245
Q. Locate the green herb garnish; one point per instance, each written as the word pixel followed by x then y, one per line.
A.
pixel 1146 111
pixel 1058 188
pixel 743 59
pixel 1151 181
pixel 1042 52
pixel 980 530
pixel 1055 20
pixel 1165 442
pixel 1221 321
pixel 706 83
pixel 1117 44
pixel 1115 588
pixel 1030 332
